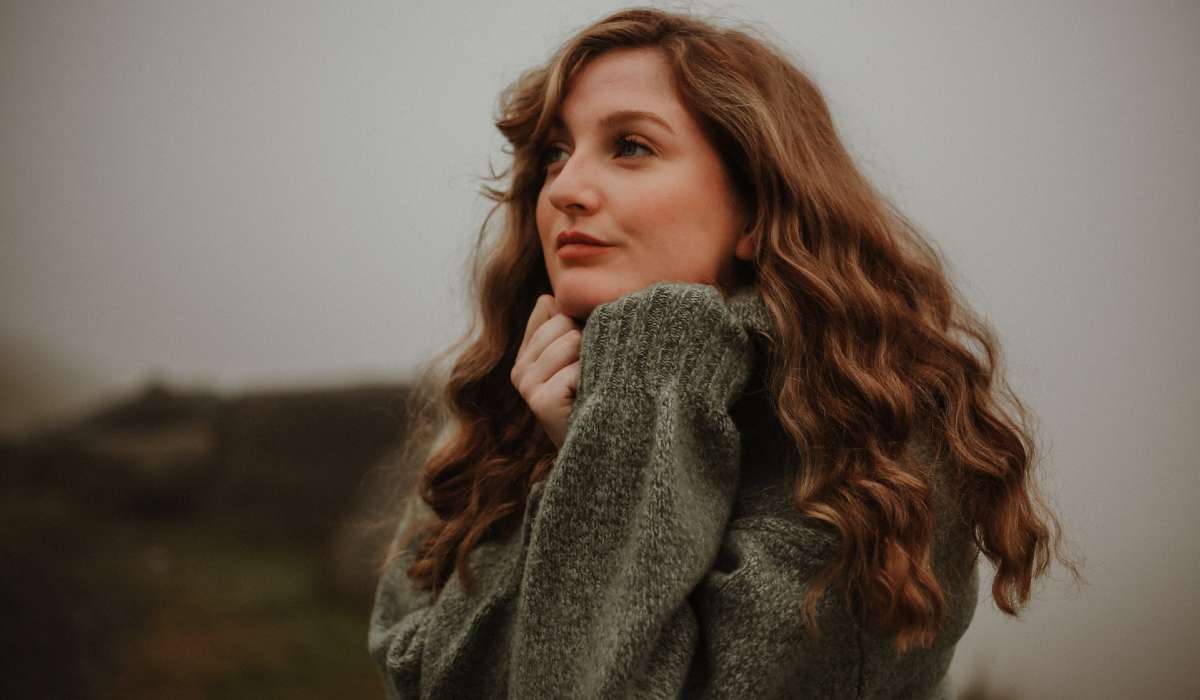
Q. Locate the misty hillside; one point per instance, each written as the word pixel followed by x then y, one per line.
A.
pixel 189 545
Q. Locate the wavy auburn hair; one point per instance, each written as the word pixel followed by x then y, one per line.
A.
pixel 884 350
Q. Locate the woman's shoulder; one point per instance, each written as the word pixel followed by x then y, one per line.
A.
pixel 765 501
pixel 771 547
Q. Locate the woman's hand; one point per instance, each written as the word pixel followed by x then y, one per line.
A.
pixel 546 371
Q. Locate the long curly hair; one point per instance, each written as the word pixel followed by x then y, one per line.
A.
pixel 884 349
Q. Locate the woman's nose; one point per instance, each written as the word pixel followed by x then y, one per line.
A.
pixel 574 186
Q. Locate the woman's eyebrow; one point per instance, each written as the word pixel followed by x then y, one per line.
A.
pixel 621 116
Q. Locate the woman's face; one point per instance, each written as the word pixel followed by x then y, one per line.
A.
pixel 656 193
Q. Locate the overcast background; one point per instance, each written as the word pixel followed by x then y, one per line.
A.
pixel 236 195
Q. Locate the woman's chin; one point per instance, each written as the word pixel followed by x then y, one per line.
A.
pixel 578 301
pixel 575 308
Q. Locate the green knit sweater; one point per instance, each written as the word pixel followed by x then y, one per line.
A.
pixel 662 557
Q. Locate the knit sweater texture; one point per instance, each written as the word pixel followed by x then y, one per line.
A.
pixel 662 556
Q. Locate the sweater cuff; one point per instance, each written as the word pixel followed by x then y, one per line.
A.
pixel 667 336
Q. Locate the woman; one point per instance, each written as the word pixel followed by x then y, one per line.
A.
pixel 731 448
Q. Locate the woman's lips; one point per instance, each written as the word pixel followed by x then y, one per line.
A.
pixel 573 251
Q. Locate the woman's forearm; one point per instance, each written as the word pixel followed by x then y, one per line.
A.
pixel 633 513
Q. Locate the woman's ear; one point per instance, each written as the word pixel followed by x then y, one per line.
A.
pixel 745 246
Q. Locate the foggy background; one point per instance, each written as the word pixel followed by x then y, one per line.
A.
pixel 245 195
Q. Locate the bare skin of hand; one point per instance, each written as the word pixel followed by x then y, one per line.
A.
pixel 546 371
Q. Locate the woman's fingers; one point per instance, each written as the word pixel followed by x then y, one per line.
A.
pixel 545 326
pixel 546 334
pixel 566 380
pixel 559 352
pixel 555 399
pixel 546 369
pixel 544 308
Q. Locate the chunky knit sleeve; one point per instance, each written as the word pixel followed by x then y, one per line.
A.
pixel 634 510
pixel 627 577
pixel 399 617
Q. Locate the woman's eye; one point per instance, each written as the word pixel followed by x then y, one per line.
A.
pixel 548 154
pixel 626 141
pixel 621 147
